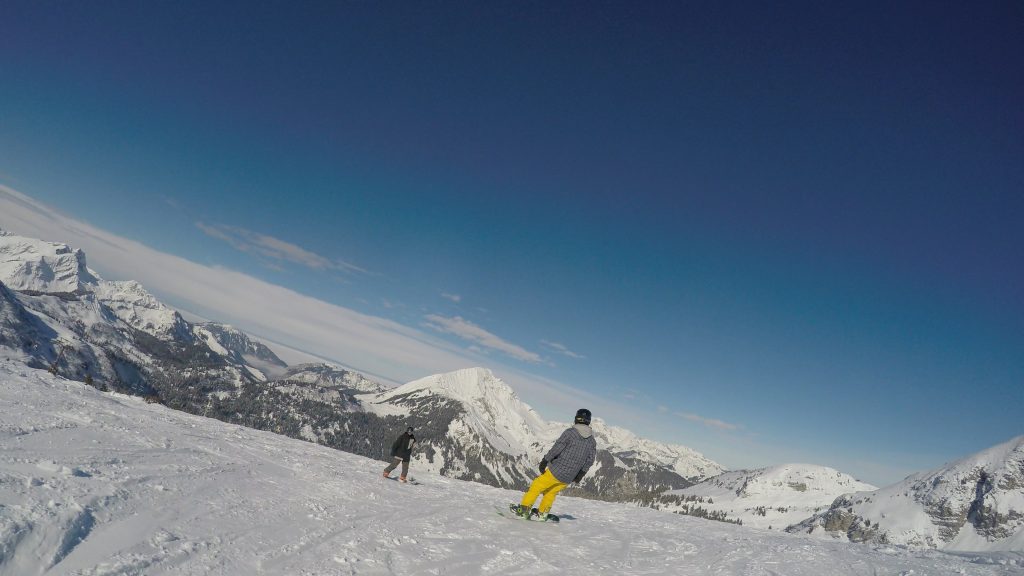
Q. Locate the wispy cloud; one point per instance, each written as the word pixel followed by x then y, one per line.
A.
pixel 379 347
pixel 562 349
pixel 275 249
pixel 453 297
pixel 391 304
pixel 471 332
pixel 709 422
pixel 633 394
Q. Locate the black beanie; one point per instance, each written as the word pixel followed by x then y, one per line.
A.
pixel 583 416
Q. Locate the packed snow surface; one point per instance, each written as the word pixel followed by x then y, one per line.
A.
pixel 102 484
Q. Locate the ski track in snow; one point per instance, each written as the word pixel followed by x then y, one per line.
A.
pixel 103 484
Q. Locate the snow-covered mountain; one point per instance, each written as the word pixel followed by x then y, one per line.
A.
pixel 47 268
pixel 772 497
pixel 329 376
pixel 112 333
pixel 470 424
pixel 236 345
pixel 976 503
pixel 489 435
pixel 98 484
pixel 62 316
pixel 29 265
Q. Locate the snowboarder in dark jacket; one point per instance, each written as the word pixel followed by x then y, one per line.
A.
pixel 401 452
pixel 568 461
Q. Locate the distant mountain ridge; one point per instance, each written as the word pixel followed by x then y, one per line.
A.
pixel 230 342
pixel 775 496
pixel 975 503
pixel 64 317
pixel 113 333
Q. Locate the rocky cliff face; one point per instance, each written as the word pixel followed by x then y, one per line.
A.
pixel 34 266
pixel 976 503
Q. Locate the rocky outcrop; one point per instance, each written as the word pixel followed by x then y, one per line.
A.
pixel 976 503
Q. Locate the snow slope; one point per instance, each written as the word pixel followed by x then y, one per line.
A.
pixel 102 484
pixel 776 496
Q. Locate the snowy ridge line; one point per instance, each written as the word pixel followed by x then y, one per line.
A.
pixel 168 493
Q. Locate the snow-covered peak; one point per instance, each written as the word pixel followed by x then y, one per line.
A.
pixel 465 384
pixel 945 507
pixel 1002 462
pixel 804 482
pixel 975 503
pixel 478 386
pixel 331 376
pixel 30 265
pixel 140 309
pixel 776 496
pixel 27 264
pixel 494 410
pixel 236 345
pixel 685 461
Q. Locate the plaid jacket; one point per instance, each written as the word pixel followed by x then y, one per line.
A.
pixel 573 452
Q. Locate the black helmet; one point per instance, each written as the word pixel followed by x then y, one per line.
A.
pixel 409 429
pixel 583 416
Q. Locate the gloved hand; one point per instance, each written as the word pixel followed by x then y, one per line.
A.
pixel 579 477
pixel 543 465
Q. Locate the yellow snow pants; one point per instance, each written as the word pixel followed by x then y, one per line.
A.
pixel 547 485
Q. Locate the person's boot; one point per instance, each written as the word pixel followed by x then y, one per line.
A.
pixel 520 510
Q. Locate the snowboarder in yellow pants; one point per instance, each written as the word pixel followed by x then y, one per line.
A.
pixel 547 485
pixel 568 461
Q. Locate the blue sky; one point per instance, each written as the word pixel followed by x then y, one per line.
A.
pixel 772 234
